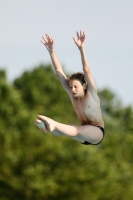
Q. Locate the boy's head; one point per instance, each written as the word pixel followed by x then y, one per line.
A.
pixel 77 84
pixel 78 76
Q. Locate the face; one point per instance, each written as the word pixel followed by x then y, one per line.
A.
pixel 76 88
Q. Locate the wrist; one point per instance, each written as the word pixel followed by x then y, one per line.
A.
pixel 81 48
pixel 51 51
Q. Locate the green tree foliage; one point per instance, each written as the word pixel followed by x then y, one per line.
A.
pixel 42 93
pixel 41 166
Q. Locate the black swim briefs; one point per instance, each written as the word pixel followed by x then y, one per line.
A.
pixel 88 143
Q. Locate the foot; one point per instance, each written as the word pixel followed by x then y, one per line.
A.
pixel 41 125
pixel 50 124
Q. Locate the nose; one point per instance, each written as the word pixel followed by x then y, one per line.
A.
pixel 73 89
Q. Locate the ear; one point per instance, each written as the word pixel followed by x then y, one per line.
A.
pixel 84 86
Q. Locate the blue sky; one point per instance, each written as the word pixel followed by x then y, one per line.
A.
pixel 108 25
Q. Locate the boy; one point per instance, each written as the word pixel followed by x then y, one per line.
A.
pixel 82 91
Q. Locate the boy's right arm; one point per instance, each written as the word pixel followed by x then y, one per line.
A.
pixel 49 44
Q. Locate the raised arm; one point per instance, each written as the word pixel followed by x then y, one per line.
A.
pixel 49 44
pixel 80 41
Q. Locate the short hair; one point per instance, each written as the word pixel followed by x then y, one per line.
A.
pixel 78 76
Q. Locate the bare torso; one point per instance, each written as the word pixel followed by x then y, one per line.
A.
pixel 88 109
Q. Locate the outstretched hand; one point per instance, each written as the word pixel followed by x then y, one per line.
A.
pixel 48 42
pixel 80 39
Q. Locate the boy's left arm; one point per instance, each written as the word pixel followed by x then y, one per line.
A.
pixel 87 71
pixel 86 68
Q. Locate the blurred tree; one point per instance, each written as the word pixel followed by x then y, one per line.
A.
pixel 42 166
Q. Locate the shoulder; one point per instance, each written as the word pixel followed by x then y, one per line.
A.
pixel 92 93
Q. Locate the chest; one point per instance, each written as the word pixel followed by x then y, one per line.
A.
pixel 86 106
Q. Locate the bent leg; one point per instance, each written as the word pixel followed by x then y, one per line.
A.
pixel 83 133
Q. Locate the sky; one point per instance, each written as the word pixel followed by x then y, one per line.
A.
pixel 108 25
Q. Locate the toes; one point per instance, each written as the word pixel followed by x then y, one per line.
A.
pixel 50 124
pixel 38 120
pixel 41 117
pixel 44 119
pixel 41 125
pixel 35 122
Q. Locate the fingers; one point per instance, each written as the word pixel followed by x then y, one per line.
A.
pixel 47 39
pixel 44 41
pixel 84 36
pixel 80 35
pixel 77 35
pixel 74 39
